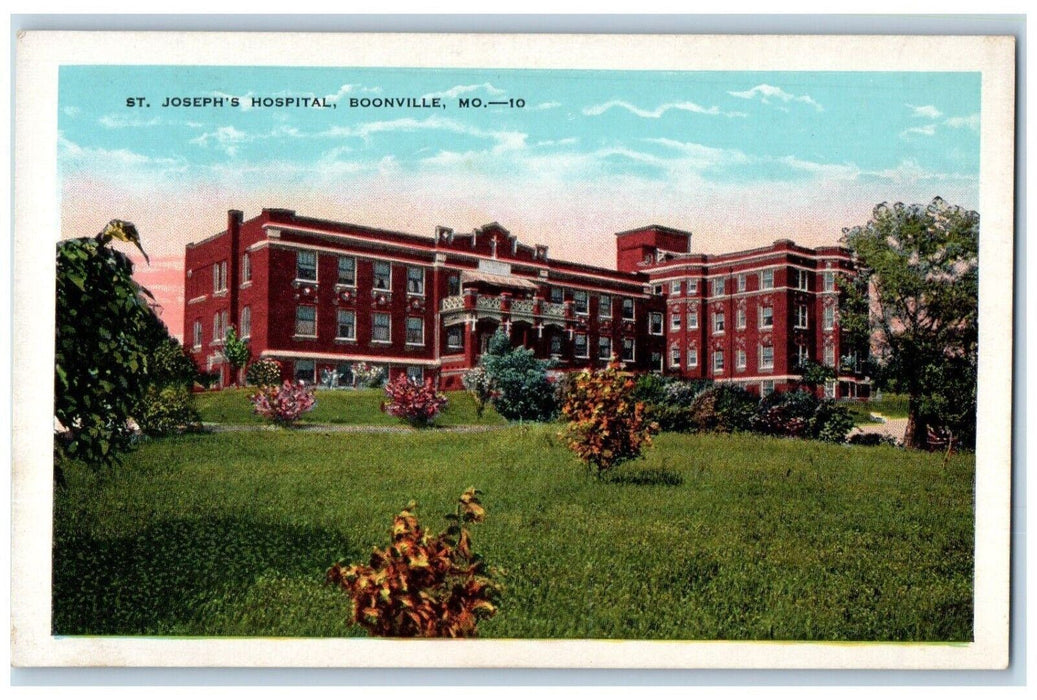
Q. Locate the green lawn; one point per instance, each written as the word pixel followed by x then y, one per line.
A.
pixel 341 406
pixel 710 537
pixel 890 406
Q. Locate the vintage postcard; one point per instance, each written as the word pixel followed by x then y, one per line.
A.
pixel 693 340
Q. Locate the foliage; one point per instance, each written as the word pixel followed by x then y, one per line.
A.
pixel 283 404
pixel 606 426
pixel 524 391
pixel 801 414
pixel 831 422
pixel 650 388
pixel 918 302
pixel 871 440
pixel 365 375
pixel 170 364
pixel 477 382
pixel 683 393
pixel 723 408
pixel 104 333
pixel 423 585
pixel 418 404
pixel 167 410
pixel 264 372
pixel 236 351
pixel 814 374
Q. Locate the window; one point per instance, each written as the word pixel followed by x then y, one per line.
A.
pixel 829 318
pixel 675 288
pixel 306 265
pixel 556 344
pixel 453 286
pixel 455 337
pixel 767 279
pixel 740 317
pixel 739 359
pixel 718 322
pixel 718 286
pixel 628 309
pixel 802 355
pixel 741 282
pixel 415 330
pixel 628 349
pixel 829 356
pixel 216 335
pixel 802 315
pixel 380 331
pixel 382 275
pixel 197 333
pixel 693 317
pixel 604 306
pixel 657 361
pixel 246 268
pixel 766 357
pixel 767 387
pixel 219 277
pixel 657 289
pixel 346 325
pixel 829 388
pixel 557 295
pixel 416 374
pixel 245 323
pixel 803 280
pixel 347 270
pixel 305 371
pixel 718 361
pixel 655 323
pixel 580 345
pixel 604 348
pixel 675 320
pixel 224 324
pixel 693 287
pixel 580 302
pixel 829 282
pixel 693 356
pixel 675 356
pixel 306 321
pixel 415 280
pixel 766 317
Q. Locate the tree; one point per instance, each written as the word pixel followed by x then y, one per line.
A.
pixel 917 300
pixel 105 330
pixel 237 353
pixel 813 374
pixel 523 391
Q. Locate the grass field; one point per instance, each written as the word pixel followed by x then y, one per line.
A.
pixel 341 406
pixel 710 537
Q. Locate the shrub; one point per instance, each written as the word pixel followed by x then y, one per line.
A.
pixel 365 375
pixel 524 391
pixel 606 426
pixel 671 419
pixel 724 408
pixel 423 585
pixel 237 353
pixel 478 383
pixel 683 393
pixel 650 389
pixel 872 440
pixel 785 414
pixel 283 404
pixel 265 372
pixel 830 422
pixel 167 411
pixel 418 404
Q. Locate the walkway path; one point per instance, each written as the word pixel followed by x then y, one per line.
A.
pixel 894 427
pixel 346 428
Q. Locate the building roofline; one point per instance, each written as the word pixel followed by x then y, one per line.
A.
pixel 657 227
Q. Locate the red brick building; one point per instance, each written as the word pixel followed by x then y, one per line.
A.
pixel 320 295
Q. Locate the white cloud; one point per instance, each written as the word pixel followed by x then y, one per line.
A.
pixel 927 130
pixel 662 109
pixel 545 105
pixel 925 111
pixel 127 121
pixel 766 93
pixel 71 111
pixel 103 160
pixel 463 89
pixel 969 122
pixel 226 138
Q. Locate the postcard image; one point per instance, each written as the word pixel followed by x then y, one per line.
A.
pixel 597 351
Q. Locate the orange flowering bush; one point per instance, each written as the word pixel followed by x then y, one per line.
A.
pixel 606 425
pixel 423 585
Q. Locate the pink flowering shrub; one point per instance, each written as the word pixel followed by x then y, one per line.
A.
pixel 418 404
pixel 283 404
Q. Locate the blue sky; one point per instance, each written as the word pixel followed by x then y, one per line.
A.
pixel 739 158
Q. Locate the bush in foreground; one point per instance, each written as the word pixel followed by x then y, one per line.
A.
pixel 523 390
pixel 283 404
pixel 264 372
pixel 606 426
pixel 423 585
pixel 418 404
pixel 167 410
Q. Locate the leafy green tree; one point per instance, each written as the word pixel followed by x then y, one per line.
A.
pixel 523 391
pixel 917 301
pixel 813 374
pixel 104 332
pixel 237 353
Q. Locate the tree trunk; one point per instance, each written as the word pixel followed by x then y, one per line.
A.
pixel 916 436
